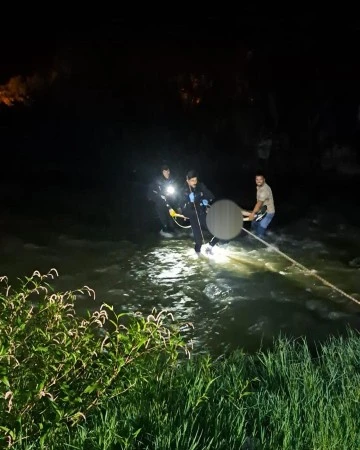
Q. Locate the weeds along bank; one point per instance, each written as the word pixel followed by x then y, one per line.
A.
pixel 112 380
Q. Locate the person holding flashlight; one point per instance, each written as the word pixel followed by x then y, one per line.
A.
pixel 163 193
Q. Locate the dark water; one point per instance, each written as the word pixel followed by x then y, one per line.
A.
pixel 244 296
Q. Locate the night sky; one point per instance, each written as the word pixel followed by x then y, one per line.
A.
pixel 102 80
pixel 319 37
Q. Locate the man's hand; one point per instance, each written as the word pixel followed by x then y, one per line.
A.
pixel 251 216
pixel 173 213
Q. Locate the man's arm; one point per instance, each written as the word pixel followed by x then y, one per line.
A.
pixel 177 198
pixel 251 214
pixel 208 195
pixel 257 207
pixel 155 193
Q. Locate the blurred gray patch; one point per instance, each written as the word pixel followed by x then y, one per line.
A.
pixel 224 219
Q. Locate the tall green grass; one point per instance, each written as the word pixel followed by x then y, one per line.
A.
pixel 289 397
pixel 286 398
pixel 282 399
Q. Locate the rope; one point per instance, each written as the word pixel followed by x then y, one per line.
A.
pixel 181 226
pixel 327 283
pixel 197 216
pixel 199 224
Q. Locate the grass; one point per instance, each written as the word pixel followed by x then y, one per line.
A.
pixel 282 399
pixel 132 386
pixel 286 398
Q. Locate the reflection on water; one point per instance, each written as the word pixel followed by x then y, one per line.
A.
pixel 244 295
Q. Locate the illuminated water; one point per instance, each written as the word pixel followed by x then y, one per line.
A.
pixel 242 297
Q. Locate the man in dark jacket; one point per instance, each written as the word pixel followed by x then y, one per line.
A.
pixel 196 199
pixel 164 193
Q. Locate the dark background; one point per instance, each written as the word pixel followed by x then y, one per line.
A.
pixel 90 108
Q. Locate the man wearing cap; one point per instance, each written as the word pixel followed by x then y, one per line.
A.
pixel 196 199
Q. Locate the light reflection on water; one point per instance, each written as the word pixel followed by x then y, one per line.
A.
pixel 242 296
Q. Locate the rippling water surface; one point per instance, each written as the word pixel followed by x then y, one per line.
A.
pixel 243 296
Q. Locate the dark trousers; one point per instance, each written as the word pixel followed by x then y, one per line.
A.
pixel 164 216
pixel 197 229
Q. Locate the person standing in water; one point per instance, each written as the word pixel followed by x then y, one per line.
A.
pixel 196 199
pixel 264 201
pixel 163 192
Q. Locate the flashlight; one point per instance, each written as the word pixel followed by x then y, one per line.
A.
pixel 170 190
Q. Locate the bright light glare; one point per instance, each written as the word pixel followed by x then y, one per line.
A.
pixel 225 256
pixel 217 254
pixel 170 190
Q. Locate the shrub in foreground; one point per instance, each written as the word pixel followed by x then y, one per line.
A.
pixel 116 382
pixel 57 367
